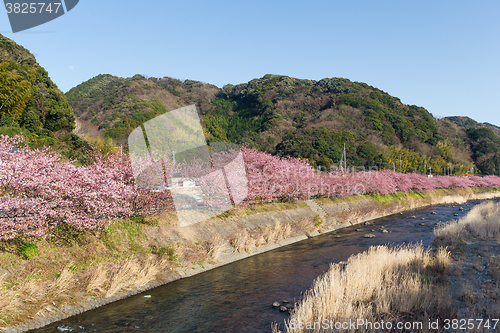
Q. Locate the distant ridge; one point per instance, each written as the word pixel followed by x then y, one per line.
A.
pixel 297 117
pixel 464 121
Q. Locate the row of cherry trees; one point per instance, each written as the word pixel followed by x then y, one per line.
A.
pixel 38 190
pixel 273 178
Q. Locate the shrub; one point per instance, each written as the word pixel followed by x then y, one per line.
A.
pixel 28 250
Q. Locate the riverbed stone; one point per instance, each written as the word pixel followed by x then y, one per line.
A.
pixel 385 231
pixel 461 209
pixel 276 304
pixel 283 309
pixel 369 236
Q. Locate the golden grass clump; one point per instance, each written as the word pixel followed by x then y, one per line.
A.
pixel 380 284
pixel 214 247
pixel 134 273
pixel 482 222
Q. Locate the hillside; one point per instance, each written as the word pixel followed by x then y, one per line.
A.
pixel 277 114
pixel 31 104
pixel 467 122
pixel 29 97
pixel 287 116
pixel 484 140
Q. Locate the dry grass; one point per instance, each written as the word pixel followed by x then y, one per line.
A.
pixel 277 232
pixel 380 284
pixel 247 241
pixel 214 247
pixel 97 279
pixel 263 208
pixel 34 296
pixel 134 273
pixel 63 284
pixel 482 222
pixel 241 241
pixel 467 294
pixel 67 270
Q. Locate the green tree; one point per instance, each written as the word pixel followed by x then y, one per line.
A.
pixel 15 92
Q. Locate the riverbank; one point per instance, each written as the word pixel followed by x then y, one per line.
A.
pixel 386 289
pixel 109 266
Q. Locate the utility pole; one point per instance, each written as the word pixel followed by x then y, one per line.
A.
pixel 343 161
pixel 345 158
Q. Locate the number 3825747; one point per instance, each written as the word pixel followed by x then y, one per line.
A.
pixel 32 8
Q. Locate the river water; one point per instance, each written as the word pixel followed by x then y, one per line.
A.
pixel 238 297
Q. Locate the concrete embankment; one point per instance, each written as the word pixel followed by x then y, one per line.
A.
pixel 226 240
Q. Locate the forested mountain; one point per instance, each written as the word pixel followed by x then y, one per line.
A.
pixel 31 104
pixel 277 114
pixel 287 116
pixel 483 138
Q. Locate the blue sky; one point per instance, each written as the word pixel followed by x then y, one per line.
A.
pixel 442 55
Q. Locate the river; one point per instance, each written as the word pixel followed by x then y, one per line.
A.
pixel 238 297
